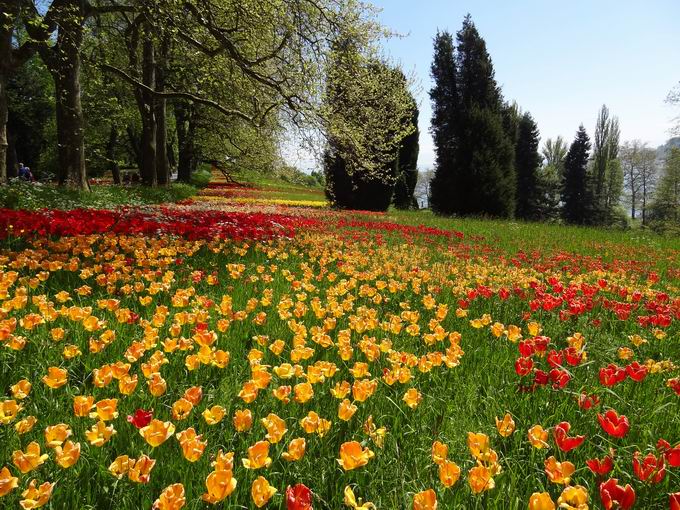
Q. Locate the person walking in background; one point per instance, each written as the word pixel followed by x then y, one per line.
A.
pixel 25 174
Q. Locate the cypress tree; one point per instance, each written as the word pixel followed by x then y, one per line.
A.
pixel 527 161
pixel 407 167
pixel 444 97
pixel 575 189
pixel 485 152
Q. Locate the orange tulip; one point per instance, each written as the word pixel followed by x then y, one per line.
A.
pixel 449 473
pixel 192 446
pixel 8 411
pixel 506 426
pixel 353 456
pixel 105 410
pixel 21 389
pixel 478 443
pixel 275 426
pixel 68 455
pixel 248 392
pixel 479 479
pixel 194 395
pixel 181 409
pixel 55 435
pixel 214 415
pixel 172 498
pixel 100 434
pixel 412 397
pixel 541 501
pixel 157 432
pixel 243 420
pixel 223 461
pixel 559 472
pixel 261 491
pixel 573 498
pixel 127 384
pixel 7 482
pixel 440 452
pixel 35 497
pixel 346 410
pixel 258 456
pixel 341 390
pixel 82 405
pixel 30 459
pixel 120 466
pixel 25 425
pixel 282 393
pixel 157 386
pixel 56 377
pixel 296 450
pixel 140 470
pixel 538 437
pixel 304 392
pixel 219 484
pixel 363 389
pixel 426 500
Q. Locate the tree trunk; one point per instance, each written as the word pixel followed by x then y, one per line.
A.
pixel 162 164
pixel 135 146
pixel 147 111
pixel 12 159
pixel 3 129
pixel 111 154
pixel 184 116
pixel 63 61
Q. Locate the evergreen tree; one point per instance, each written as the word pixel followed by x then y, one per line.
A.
pixel 485 154
pixel 575 190
pixel 549 185
pixel 445 115
pixel 407 167
pixel 527 161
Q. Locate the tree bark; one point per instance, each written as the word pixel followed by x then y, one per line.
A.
pixel 63 61
pixel 184 116
pixel 147 111
pixel 111 154
pixel 162 164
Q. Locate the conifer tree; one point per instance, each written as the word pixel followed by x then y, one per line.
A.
pixel 665 210
pixel 527 162
pixel 485 153
pixel 445 115
pixel 575 189
pixel 407 167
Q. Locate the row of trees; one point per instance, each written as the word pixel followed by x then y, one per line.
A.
pixel 488 160
pixel 162 85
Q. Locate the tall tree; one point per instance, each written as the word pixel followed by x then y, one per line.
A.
pixel 527 162
pixel 485 153
pixel 407 167
pixel 554 152
pixel 445 116
pixel 575 189
pixel 666 207
pixel 607 177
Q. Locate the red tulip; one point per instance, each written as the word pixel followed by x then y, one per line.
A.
pixel 559 378
pixel 672 455
pixel 614 424
pixel 616 497
pixel 541 377
pixel 573 356
pixel 564 441
pixel 141 418
pixel 674 501
pixel 298 497
pixel 555 358
pixel 636 371
pixel 588 401
pixel 600 467
pixel 651 469
pixel 611 375
pixel 523 366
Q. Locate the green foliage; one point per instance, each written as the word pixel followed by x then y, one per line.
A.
pixel 407 167
pixel 473 130
pixel 606 174
pixel 23 195
pixel 527 161
pixel 576 195
pixel 665 211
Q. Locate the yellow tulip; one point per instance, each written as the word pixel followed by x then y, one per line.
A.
pixel 261 491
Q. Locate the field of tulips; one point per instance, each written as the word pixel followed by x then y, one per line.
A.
pixel 290 357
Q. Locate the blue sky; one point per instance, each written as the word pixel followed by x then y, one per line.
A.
pixel 559 60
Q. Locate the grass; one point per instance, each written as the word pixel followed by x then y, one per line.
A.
pixel 338 282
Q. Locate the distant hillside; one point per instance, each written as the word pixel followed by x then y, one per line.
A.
pixel 662 150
